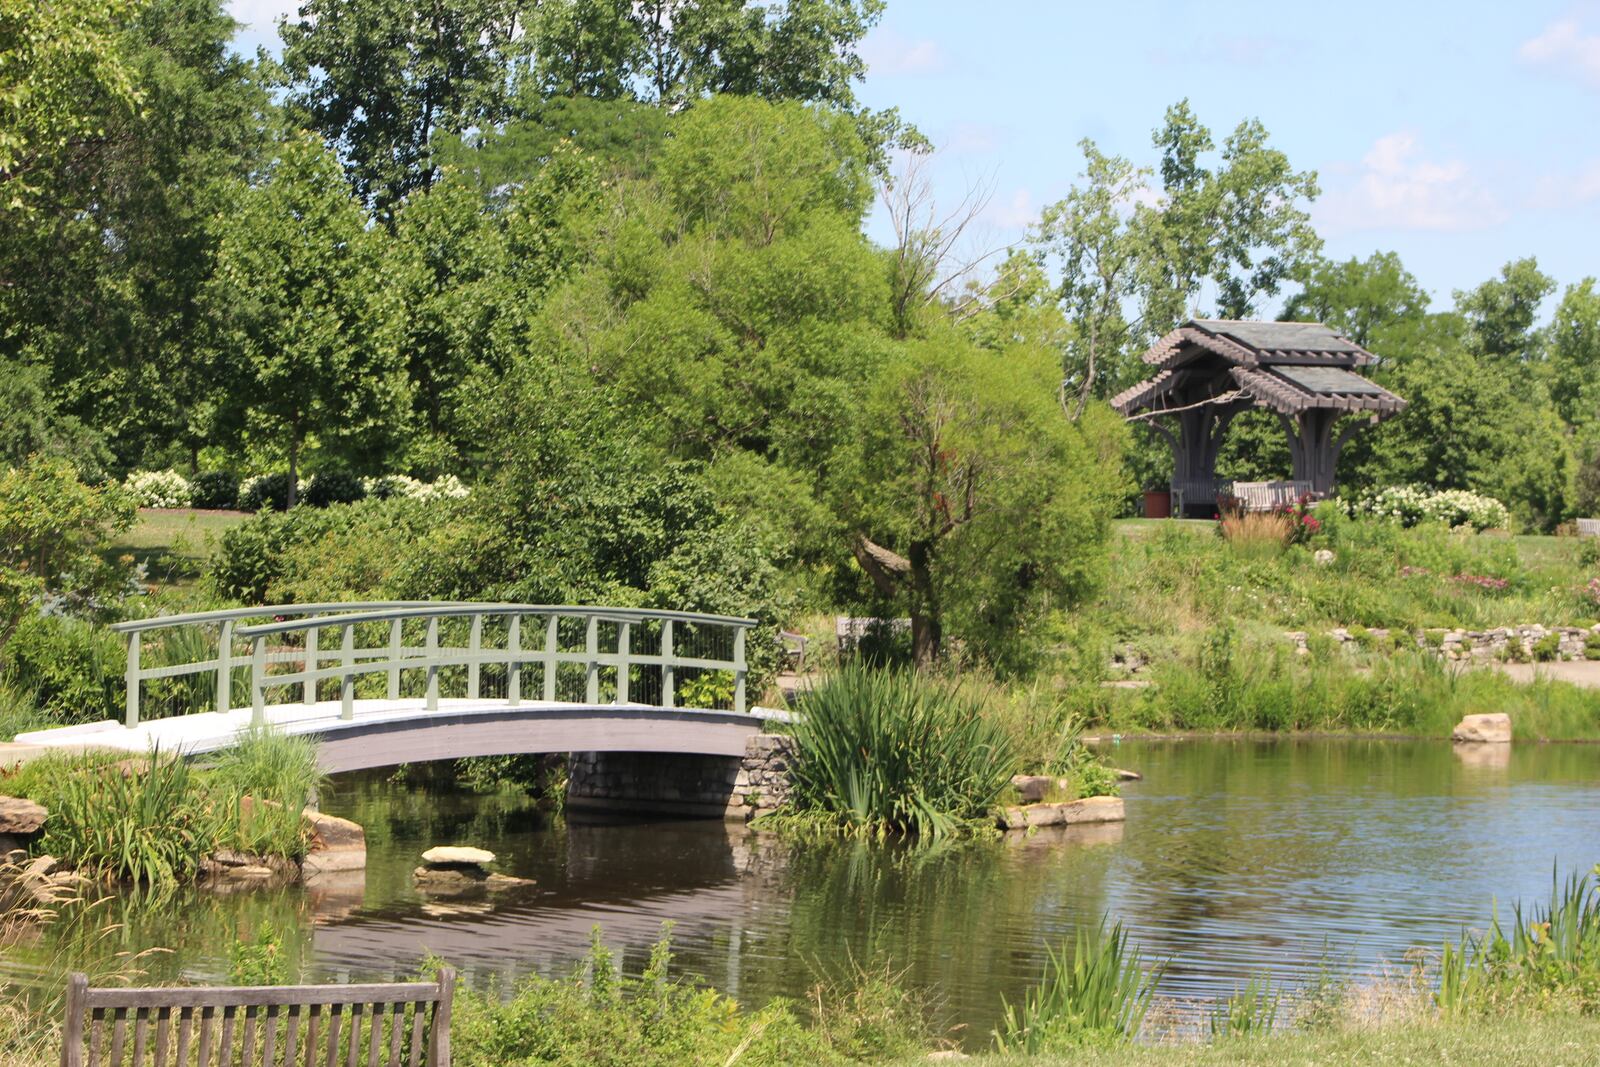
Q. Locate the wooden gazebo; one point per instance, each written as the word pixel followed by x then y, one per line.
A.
pixel 1209 370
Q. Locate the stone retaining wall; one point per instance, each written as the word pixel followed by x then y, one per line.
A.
pixel 1520 643
pixel 726 787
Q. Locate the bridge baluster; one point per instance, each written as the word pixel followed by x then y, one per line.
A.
pixel 514 660
pixel 131 718
pixel 313 661
pixel 225 666
pixel 624 638
pixel 591 649
pixel 395 647
pixel 432 646
pixel 739 668
pixel 347 678
pixel 669 697
pixel 258 673
pixel 552 639
pixel 474 643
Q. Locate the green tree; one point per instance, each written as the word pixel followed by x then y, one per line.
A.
pixel 1241 225
pixel 62 67
pixel 1502 311
pixel 1358 297
pixel 306 320
pixel 971 502
pixel 379 78
pixel 1574 345
pixel 1100 252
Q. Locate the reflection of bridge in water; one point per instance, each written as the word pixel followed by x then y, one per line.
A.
pixel 369 680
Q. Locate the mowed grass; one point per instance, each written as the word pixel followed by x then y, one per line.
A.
pixel 173 543
pixel 1541 1040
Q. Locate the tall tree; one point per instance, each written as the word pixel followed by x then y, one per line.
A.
pixel 1574 336
pixel 1502 311
pixel 378 79
pixel 306 321
pixel 1359 296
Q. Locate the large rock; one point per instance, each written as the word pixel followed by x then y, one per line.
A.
pixel 21 817
pixel 1491 729
pixel 336 845
pixel 1068 813
pixel 457 854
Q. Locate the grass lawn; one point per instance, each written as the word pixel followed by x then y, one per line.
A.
pixel 173 543
pixel 1544 1040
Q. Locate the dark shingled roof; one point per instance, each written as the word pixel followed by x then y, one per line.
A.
pixel 1286 366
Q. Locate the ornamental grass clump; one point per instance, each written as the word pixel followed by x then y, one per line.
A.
pixel 1258 534
pixel 891 751
pixel 1098 995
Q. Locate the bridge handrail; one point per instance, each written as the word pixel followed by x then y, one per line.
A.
pixel 200 618
pixel 351 661
pixel 464 610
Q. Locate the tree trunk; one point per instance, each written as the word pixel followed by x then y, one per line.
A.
pixel 927 628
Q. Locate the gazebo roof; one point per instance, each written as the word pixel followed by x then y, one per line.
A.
pixel 1287 367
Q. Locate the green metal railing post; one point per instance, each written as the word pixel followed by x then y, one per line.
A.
pixel 395 647
pixel 624 639
pixel 739 668
pixel 347 678
pixel 225 666
pixel 514 660
pixel 591 649
pixel 668 675
pixel 258 673
pixel 552 644
pixel 474 644
pixel 131 715
pixel 432 646
pixel 313 661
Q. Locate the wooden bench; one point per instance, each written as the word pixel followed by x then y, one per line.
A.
pixel 226 1025
pixel 1269 496
pixel 1589 527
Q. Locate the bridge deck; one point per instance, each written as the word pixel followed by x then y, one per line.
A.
pixel 388 732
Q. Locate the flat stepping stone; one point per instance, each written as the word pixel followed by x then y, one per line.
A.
pixel 457 854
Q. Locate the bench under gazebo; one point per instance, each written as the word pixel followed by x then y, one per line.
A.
pixel 1209 370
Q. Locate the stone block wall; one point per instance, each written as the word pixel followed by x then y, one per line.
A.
pixel 727 787
pixel 1507 642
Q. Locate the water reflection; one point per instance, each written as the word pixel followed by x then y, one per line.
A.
pixel 1237 857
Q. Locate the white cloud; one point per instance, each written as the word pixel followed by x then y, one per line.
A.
pixel 1567 49
pixel 1396 187
pixel 890 53
pixel 1015 212
pixel 1558 191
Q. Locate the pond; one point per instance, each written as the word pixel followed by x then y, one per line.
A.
pixel 1238 857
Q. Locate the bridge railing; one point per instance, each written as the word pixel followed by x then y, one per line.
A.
pixel 637 655
pixel 223 659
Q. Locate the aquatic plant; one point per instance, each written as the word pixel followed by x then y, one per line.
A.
pixel 279 773
pixel 891 751
pixel 1550 952
pixel 1249 1012
pixel 1097 995
pixel 140 821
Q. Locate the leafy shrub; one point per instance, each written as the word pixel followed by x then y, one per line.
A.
pixel 159 489
pixel 53 534
pixel 333 487
pixel 446 487
pixel 886 751
pixel 250 556
pixel 1097 996
pixel 1546 648
pixel 265 491
pixel 71 671
pixel 214 489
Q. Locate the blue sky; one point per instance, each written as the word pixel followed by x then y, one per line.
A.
pixel 1459 135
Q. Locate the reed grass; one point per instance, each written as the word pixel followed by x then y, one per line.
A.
pixel 886 751
pixel 1249 1012
pixel 1098 995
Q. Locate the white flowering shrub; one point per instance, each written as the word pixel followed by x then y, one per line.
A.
pixel 158 489
pixel 1409 505
pixel 448 487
